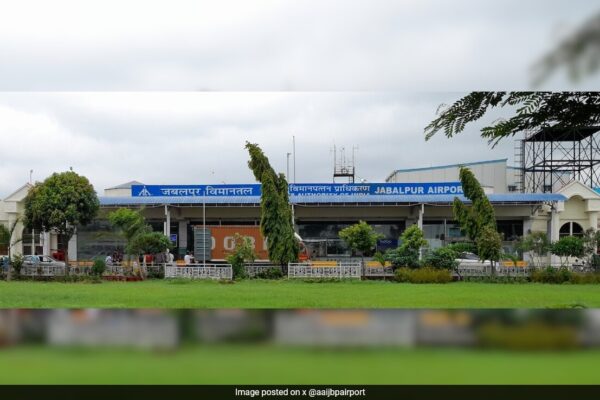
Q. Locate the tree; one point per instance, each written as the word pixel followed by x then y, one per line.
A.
pixel 360 237
pixel 131 223
pixel 6 239
pixel 276 217
pixel 538 245
pixel 150 243
pixel 408 253
pixel 481 212
pixel 531 110
pixel 61 203
pixel 568 246
pixel 489 246
pixel 479 220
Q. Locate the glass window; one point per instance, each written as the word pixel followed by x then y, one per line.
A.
pixel 570 229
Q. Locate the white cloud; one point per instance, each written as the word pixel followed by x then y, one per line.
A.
pixel 199 137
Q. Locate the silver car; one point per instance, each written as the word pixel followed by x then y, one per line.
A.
pixel 44 261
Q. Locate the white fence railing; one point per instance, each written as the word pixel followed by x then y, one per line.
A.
pixel 370 271
pixel 45 270
pixel 317 270
pixel 485 270
pixel 253 270
pixel 199 271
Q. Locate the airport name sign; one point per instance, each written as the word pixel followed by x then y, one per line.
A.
pixel 300 189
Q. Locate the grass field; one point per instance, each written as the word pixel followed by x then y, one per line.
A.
pixel 247 364
pixel 293 294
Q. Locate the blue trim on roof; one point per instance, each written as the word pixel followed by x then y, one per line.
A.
pixel 449 166
pixel 307 199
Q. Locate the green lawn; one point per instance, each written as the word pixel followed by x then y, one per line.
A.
pixel 264 364
pixel 293 294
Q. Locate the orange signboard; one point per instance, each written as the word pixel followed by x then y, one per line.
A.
pixel 223 240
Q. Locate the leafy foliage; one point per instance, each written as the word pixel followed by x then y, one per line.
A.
pixel 149 243
pixel 489 244
pixel 533 111
pixel 360 237
pixel 407 254
pixel 98 267
pixel 441 258
pixel 578 53
pixel 474 218
pixel 242 253
pixel 463 247
pixel 423 275
pixel 568 246
pixel 412 238
pixel 17 263
pixel 276 217
pixel 62 202
pixel 538 244
pixel 551 275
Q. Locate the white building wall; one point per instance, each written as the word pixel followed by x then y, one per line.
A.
pixel 490 174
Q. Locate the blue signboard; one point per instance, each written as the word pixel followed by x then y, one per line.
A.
pixel 300 189
pixel 194 190
pixel 173 237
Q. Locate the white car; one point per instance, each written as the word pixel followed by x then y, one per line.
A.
pixel 45 261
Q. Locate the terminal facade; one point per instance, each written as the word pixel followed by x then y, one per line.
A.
pixel 417 196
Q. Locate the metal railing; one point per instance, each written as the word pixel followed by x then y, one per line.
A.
pixel 319 270
pixel 255 269
pixel 42 270
pixel 370 271
pixel 200 271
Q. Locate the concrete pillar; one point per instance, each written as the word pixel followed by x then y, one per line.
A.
pixel 421 213
pixel 167 224
pixel 593 218
pixel 183 237
pixel 554 230
pixel 46 243
pixel 72 246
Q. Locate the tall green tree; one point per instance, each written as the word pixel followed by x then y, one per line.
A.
pixel 360 237
pixel 61 203
pixel 478 220
pixel 528 110
pixel 276 217
pixel 480 213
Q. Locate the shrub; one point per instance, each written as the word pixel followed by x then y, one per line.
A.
pixel 98 267
pixel 568 246
pixel 270 273
pixel 463 247
pixel 551 275
pixel 17 263
pixel 423 275
pixel 403 257
pixel 496 279
pixel 441 258
pixel 242 253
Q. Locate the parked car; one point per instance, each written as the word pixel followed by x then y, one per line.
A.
pixel 45 261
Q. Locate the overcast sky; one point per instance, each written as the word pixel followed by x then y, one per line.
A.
pixel 198 137
pixel 415 45
pixel 90 85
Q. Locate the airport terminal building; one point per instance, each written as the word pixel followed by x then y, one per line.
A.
pixel 416 196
